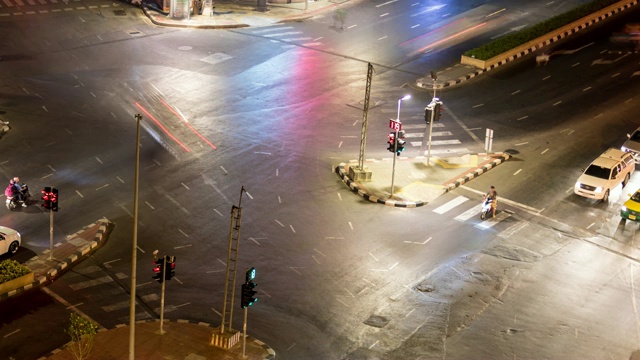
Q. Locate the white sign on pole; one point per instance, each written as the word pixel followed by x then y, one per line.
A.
pixel 488 141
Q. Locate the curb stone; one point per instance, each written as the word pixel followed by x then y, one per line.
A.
pixel 354 187
pixel 193 26
pixel 428 86
pixel 502 157
pixel 271 354
pixel 98 241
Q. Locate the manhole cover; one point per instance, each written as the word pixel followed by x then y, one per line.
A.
pixel 119 12
pixel 185 48
pixel 135 33
pixel 377 321
pixel 512 151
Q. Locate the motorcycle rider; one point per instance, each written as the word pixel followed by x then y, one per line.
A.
pixel 17 190
pixel 493 196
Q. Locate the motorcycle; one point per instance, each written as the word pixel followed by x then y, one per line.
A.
pixel 486 209
pixel 12 202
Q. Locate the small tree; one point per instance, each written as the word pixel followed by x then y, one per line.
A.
pixel 82 333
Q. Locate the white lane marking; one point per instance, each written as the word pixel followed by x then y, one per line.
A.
pixel 114 115
pixel 386 3
pixel 496 13
pixel 120 179
pixel 45 109
pixel 277 172
pixel 249 195
pixel 468 214
pixel 415 26
pixel 108 263
pixel 570 132
pixel 576 64
pixel 78 192
pixel 140 249
pixel 544 151
pixel 52 169
pixel 183 233
pixel 218 212
pixel 350 225
pixel 614 75
pixel 292 229
pixel 341 302
pixel 450 205
pixel 589 227
pixel 352 26
pixel 151 206
pixel 69 131
pixel 254 240
pixel 13 332
pixel 626 102
pixel 279 200
pixel 597 116
pixel 340 145
pixel 312 44
pixel 283 34
pixel 290 347
pixel 374 344
pixel 374 258
pixel 522 118
pixel 185 186
pixel 557 103
pixel 393 266
pixel 382 38
pixel 318 251
pixel 517 172
pixel 183 246
pixel 477 106
pixel 156 161
pixel 102 187
pixel 294 269
pixel 262 152
pixel 515 92
pixel 92 94
pixel 98 159
pixel 334 238
pixel 278 28
pixel 524 143
pixel 316 39
pixel 222 262
pixel 46 176
pixel 587 88
pixel 279 223
pixel 385 14
pixel 545 78
pixel 314 258
pixel 419 243
pixel 66 303
pixel 223 169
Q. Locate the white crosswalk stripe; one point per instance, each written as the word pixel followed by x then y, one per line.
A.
pixel 434 133
pixel 93 282
pixel 450 205
pixel 284 34
pixel 279 28
pixel 449 151
pixel 298 39
pixel 437 142
pixel 469 214
pixel 489 223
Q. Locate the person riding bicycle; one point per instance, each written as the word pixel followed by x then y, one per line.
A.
pixel 493 196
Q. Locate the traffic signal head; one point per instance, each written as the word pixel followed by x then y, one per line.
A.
pixel 170 270
pixel 250 275
pixel 54 199
pixel 428 113
pixel 46 197
pixel 248 294
pixel 437 110
pixel 158 269
pixel 391 141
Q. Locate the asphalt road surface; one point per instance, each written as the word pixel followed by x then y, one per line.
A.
pixel 226 109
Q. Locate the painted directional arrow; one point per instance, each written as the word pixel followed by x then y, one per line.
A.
pixel 605 62
pixel 513 29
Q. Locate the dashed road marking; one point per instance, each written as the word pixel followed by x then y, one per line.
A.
pixel 119 179
pixel 183 233
pixel 292 229
pixel 98 159
pixel 517 172
pixel 522 118
pixel 515 92
pixel 223 169
pixel 279 223
pixel 149 205
pixel 102 187
pixel 78 192
pixel 544 151
pixel 350 225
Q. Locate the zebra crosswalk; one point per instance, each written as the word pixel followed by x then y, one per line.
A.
pixel 466 211
pixel 288 36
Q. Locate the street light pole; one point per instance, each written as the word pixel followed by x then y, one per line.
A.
pixel 395 145
pixel 134 248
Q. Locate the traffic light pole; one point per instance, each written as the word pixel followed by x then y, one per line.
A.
pixel 244 333
pixel 134 248
pixel 50 234
pixel 164 281
pixel 395 151
pixel 433 118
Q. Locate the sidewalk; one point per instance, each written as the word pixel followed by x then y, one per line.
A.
pixel 181 340
pixel 416 182
pixel 244 13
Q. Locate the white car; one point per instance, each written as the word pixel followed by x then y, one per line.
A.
pixel 10 240
pixel 612 168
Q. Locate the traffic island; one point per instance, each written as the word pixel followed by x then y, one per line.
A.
pixel 181 340
pixel 416 181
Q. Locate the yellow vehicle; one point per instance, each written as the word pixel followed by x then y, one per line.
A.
pixel 631 208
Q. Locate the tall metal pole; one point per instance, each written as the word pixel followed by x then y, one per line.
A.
pixel 51 233
pixel 134 248
pixel 365 117
pixel 244 333
pixel 395 151
pixel 433 116
pixel 164 281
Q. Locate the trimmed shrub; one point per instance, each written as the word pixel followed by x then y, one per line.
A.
pixel 11 269
pixel 508 42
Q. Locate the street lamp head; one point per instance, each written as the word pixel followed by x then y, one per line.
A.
pixel 406 97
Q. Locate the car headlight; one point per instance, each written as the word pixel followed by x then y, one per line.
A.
pixel 578 184
pixel 599 189
pixel 624 209
pixel 624 149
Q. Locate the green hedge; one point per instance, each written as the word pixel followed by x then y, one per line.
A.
pixel 11 269
pixel 508 42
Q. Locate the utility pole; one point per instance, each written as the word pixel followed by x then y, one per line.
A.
pixel 359 172
pixel 395 145
pixel 134 248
